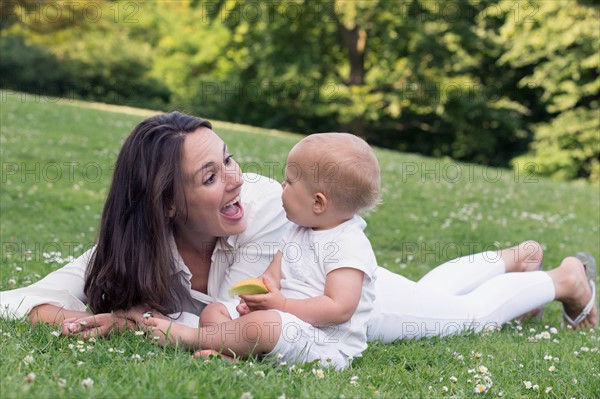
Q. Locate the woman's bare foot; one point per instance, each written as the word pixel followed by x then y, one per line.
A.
pixel 574 291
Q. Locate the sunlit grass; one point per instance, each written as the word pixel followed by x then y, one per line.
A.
pixel 57 162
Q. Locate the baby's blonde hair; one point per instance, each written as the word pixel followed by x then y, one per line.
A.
pixel 343 167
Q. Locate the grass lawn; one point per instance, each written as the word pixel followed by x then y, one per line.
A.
pixel 57 159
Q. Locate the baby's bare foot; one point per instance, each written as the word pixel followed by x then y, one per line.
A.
pixel 207 353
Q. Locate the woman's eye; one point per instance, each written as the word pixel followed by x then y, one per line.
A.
pixel 210 180
pixel 229 160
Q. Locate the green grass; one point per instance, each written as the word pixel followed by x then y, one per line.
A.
pixel 433 210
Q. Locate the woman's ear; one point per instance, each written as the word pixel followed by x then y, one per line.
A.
pixel 171 212
pixel 319 203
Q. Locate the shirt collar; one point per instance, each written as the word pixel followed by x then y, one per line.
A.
pixel 223 244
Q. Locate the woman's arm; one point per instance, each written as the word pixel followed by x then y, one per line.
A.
pixel 51 299
pixel 52 314
pixel 343 288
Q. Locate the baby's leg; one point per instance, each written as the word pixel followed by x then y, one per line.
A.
pixel 253 334
pixel 214 313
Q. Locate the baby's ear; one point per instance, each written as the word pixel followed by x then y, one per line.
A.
pixel 319 203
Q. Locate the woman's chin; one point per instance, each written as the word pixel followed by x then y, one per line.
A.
pixel 233 228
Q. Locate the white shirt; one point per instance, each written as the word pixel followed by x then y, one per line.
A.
pixel 234 259
pixel 309 255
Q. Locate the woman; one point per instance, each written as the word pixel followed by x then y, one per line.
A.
pixel 182 224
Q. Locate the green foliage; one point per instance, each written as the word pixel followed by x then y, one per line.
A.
pixel 483 81
pixel 64 49
pixel 560 45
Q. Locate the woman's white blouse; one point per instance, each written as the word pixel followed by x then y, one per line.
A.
pixel 234 258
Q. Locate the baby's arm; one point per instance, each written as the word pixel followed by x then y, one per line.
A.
pixel 343 288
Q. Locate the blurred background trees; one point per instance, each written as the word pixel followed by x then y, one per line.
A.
pixel 494 82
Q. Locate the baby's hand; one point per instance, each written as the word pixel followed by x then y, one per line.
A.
pixel 272 300
pixel 242 308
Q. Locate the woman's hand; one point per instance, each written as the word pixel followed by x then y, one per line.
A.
pixel 272 300
pixel 98 325
pixel 166 332
pixel 102 324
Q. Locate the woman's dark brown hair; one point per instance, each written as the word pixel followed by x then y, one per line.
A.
pixel 133 261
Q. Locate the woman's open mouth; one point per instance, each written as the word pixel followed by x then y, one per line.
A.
pixel 233 210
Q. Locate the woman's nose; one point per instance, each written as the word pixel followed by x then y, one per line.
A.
pixel 233 174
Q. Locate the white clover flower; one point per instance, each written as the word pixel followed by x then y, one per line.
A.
pixel 548 389
pixel 483 369
pixel 28 360
pixel 62 383
pixel 136 357
pixel 11 283
pixel 547 357
pixel 479 388
pixel 88 382
pixel 527 384
pixel 553 331
pixel 354 380
pixel 55 333
pixel 139 333
pixel 453 379
pixel 584 349
pixel 80 363
pixel 536 387
pixel 445 388
pixel 259 373
pixel 551 369
pixel 318 373
pixel 246 395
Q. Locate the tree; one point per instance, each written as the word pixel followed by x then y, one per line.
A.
pixel 560 45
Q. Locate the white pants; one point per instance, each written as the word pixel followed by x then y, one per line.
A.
pixel 465 294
